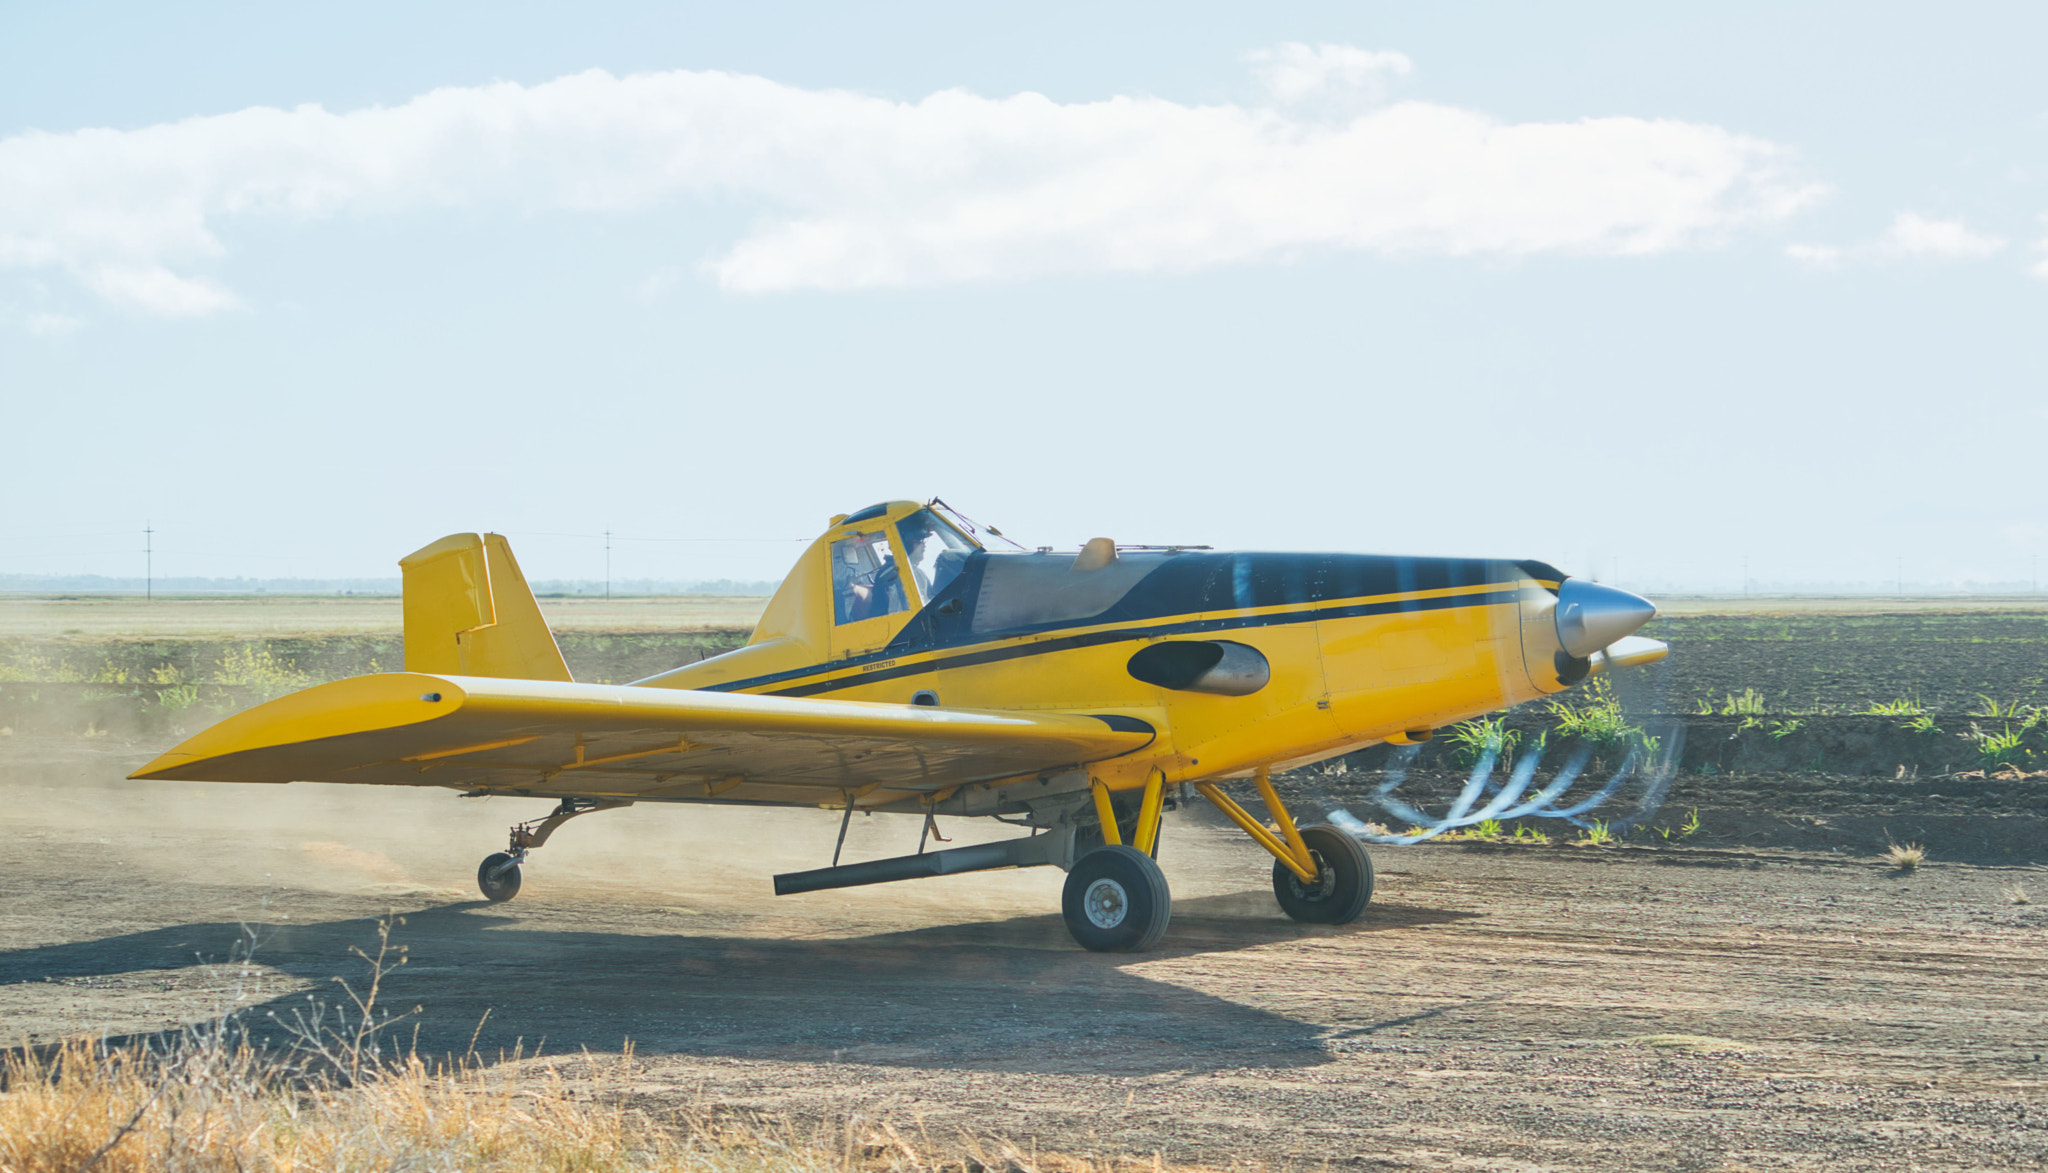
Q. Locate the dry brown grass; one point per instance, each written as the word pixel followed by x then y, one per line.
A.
pixel 336 1097
pixel 2016 894
pixel 212 1109
pixel 1905 856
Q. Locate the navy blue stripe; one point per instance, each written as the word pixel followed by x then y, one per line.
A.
pixel 1096 638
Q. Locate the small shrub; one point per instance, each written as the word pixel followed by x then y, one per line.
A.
pixel 1470 741
pixel 1597 719
pixel 1685 830
pixel 256 666
pixel 2016 894
pixel 34 668
pixel 1987 707
pixel 1905 857
pixel 1750 703
pixel 2000 749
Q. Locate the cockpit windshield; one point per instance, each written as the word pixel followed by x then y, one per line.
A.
pixel 936 551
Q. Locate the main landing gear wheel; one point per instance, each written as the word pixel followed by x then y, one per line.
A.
pixel 1116 900
pixel 498 877
pixel 1343 879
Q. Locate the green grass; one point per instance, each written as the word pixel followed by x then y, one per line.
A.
pixel 1989 707
pixel 2004 748
pixel 1683 831
pixel 1469 741
pixel 1594 715
pixel 1750 703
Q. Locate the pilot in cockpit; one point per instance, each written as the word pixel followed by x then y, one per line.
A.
pixel 866 581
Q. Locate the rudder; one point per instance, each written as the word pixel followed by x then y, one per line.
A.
pixel 469 612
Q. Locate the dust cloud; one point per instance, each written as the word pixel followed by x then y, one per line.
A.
pixel 425 844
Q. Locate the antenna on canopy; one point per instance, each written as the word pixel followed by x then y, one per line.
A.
pixel 960 519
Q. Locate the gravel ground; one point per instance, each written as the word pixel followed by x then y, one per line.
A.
pixel 1524 1008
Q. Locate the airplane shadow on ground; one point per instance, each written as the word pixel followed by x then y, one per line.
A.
pixel 1010 995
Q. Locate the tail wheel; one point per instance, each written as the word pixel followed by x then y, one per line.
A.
pixel 497 877
pixel 1343 880
pixel 1116 900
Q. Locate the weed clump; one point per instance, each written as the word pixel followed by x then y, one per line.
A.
pixel 1470 741
pixel 1905 857
pixel 2004 748
pixel 1683 831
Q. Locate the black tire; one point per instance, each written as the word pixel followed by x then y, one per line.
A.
pixel 497 877
pixel 1116 900
pixel 1343 882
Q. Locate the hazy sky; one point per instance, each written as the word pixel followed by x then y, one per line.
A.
pixel 1609 285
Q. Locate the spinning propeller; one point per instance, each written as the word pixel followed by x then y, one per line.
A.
pixel 1596 627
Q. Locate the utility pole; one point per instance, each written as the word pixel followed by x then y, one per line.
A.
pixel 148 563
pixel 607 566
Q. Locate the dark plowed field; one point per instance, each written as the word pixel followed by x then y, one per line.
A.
pixel 1844 663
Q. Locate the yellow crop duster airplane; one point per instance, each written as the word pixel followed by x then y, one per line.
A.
pixel 903 667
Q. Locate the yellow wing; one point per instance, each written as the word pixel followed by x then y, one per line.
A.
pixel 557 738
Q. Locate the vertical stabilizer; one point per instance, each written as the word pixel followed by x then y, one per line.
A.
pixel 469 612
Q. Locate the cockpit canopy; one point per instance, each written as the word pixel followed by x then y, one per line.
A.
pixel 867 581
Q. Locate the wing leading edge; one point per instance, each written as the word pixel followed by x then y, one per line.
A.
pixel 559 738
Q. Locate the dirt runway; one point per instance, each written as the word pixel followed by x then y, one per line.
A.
pixel 1496 1009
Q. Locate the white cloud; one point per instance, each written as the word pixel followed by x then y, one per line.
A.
pixel 1910 236
pixel 52 325
pixel 1293 72
pixel 860 191
pixel 157 290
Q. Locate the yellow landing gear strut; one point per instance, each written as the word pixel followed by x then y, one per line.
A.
pixel 1321 875
pixel 1145 836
